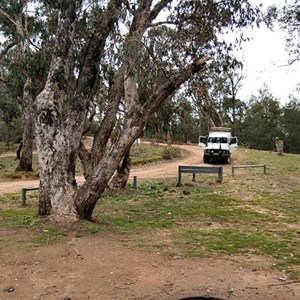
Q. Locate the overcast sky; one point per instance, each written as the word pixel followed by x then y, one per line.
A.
pixel 265 62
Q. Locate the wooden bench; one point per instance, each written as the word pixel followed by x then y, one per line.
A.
pixel 196 170
pixel 249 166
pixel 24 191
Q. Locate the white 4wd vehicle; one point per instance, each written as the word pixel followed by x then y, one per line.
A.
pixel 219 145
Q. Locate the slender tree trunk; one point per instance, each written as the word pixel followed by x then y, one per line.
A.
pixel 25 163
pixel 136 118
pixel 120 178
pixel 207 107
pixel 89 193
pixel 18 154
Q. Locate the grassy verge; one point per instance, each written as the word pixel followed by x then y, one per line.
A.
pixel 249 214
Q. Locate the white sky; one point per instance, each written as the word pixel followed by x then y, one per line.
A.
pixel 265 62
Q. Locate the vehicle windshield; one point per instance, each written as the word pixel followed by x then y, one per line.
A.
pixel 221 140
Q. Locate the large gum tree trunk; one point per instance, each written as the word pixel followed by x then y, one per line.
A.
pixel 57 133
pixel 57 175
pixel 62 109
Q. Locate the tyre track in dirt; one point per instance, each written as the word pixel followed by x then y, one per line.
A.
pixel 192 155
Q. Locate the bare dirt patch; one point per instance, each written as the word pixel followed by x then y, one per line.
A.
pixel 108 267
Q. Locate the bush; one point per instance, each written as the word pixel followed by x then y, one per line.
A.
pixel 171 152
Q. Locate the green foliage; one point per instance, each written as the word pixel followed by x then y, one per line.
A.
pixel 289 20
pixel 49 234
pixel 170 153
pixel 185 122
pixel 262 122
pixel 159 124
pixel 175 120
pixel 10 128
pixel 225 78
pixel 291 126
pixel 8 166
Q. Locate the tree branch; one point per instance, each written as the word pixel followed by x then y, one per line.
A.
pixel 157 8
pixel 173 84
pixel 104 132
pixel 163 23
pixel 7 48
pixel 90 118
pixel 91 59
pixel 84 156
pixel 5 14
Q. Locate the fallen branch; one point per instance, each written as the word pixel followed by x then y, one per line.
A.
pixel 285 283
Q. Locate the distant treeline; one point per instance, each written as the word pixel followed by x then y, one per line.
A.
pixel 257 124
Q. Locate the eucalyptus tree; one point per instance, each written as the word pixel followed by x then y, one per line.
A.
pixel 185 127
pixel 262 124
pixel 226 81
pixel 289 18
pixel 9 114
pixel 159 125
pixel 119 50
pixel 291 124
pixel 23 66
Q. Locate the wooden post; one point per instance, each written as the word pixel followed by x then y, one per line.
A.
pixel 221 174
pixel 279 146
pixel 179 177
pixel 265 169
pixel 23 197
pixel 135 185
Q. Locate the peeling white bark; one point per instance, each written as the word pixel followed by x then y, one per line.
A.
pixel 56 142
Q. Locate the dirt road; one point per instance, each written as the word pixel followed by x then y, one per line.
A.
pixel 165 169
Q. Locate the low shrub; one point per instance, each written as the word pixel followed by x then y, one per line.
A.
pixel 171 152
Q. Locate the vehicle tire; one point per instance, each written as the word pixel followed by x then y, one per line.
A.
pixel 205 159
pixel 225 160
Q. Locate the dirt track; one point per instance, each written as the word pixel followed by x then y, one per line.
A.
pixel 166 169
pixel 193 156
